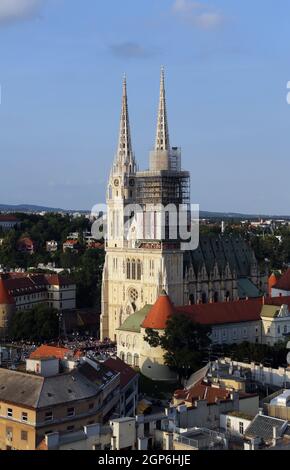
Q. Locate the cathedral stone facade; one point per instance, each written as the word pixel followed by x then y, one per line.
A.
pixel 143 258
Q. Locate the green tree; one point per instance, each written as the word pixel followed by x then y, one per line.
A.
pixel 41 323
pixel 184 343
pixel 88 278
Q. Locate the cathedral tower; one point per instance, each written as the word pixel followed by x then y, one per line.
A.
pixel 142 255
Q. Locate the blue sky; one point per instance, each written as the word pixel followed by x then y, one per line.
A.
pixel 227 66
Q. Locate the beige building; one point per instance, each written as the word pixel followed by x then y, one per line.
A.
pixel 22 291
pixel 33 406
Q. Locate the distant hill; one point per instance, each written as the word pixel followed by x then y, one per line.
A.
pixel 34 208
pixel 203 214
pixel 237 215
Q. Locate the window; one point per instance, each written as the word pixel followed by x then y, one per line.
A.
pixel 133 269
pixel 241 427
pixel 48 416
pixel 9 433
pixel 285 328
pixel 70 428
pixel 24 435
pixel 228 423
pixel 129 359
pixel 9 412
pixel 24 416
pixel 139 270
pixel 128 269
pixel 133 294
pixel 70 412
pixel 91 406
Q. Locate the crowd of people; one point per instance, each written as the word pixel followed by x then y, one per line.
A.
pixel 84 345
pixel 91 346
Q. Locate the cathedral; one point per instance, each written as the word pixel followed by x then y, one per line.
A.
pixel 143 259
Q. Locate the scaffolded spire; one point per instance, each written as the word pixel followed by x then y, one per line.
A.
pixel 162 134
pixel 125 154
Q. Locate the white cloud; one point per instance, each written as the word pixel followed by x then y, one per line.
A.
pixel 186 6
pixel 12 10
pixel 130 50
pixel 198 14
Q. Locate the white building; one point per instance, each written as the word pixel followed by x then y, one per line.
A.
pixel 275 323
pixel 8 222
pixel 51 246
pixel 235 422
pixel 22 291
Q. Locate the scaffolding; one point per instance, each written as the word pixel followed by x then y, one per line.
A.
pixel 163 187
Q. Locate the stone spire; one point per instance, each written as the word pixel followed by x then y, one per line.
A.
pixel 162 134
pixel 125 155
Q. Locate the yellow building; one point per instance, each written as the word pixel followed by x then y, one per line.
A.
pixel 33 406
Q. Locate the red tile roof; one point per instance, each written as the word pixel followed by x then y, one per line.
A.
pixel 210 314
pixel 224 312
pixel 284 282
pixel 231 312
pixel 49 351
pixel 202 391
pixel 57 280
pixel 5 297
pixel 25 241
pixel 205 391
pixel 8 218
pixel 126 372
pixel 160 313
pixel 71 242
pixel 29 283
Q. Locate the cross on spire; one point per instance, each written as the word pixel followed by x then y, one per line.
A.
pixel 124 153
pixel 162 134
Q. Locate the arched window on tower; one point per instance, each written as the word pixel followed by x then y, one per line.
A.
pixel 133 269
pixel 139 269
pixel 216 297
pixel 204 298
pixel 128 269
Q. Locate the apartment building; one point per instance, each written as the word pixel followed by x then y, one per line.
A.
pixel 36 404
